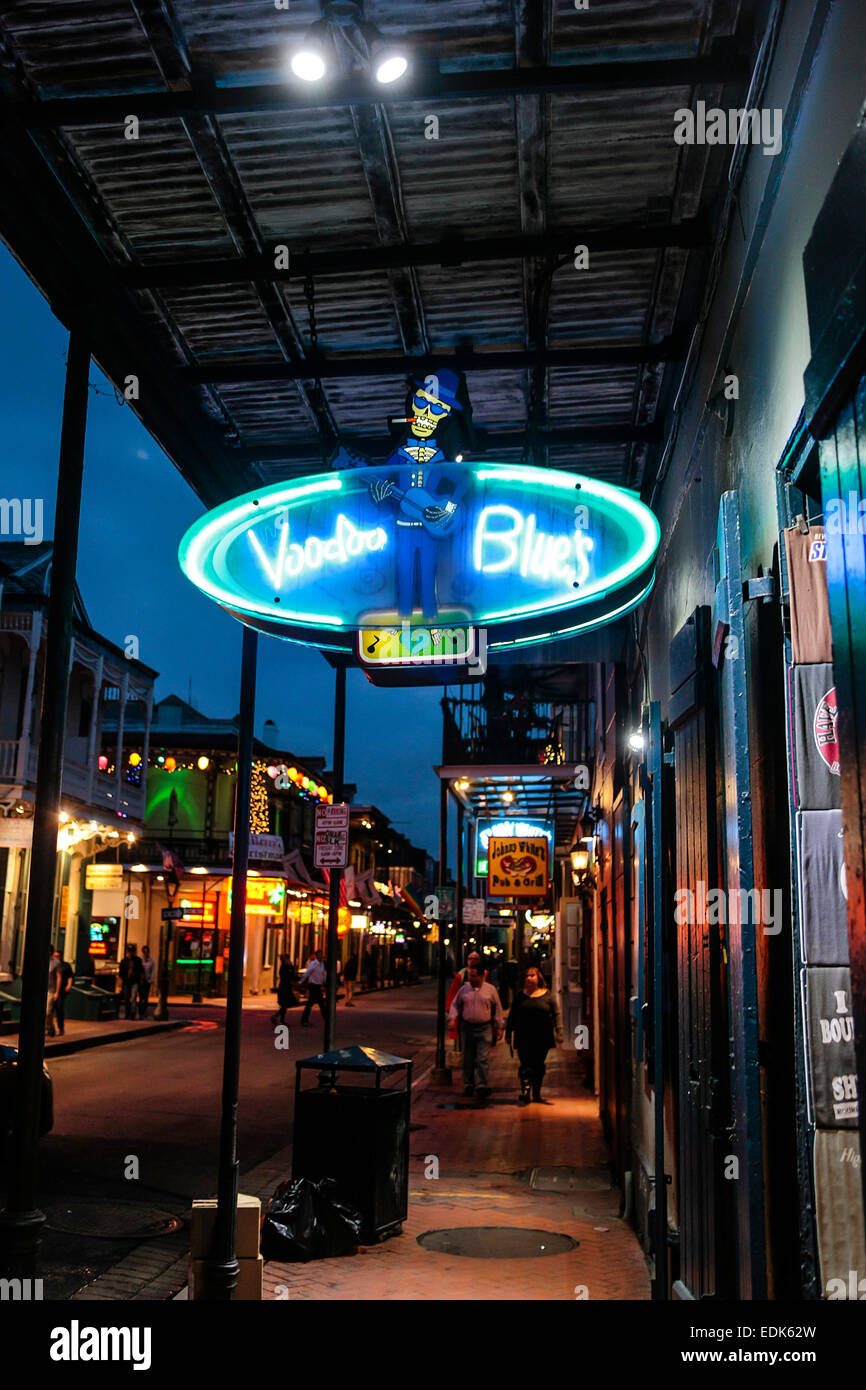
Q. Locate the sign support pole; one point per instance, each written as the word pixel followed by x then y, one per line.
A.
pixel 336 873
pixel 21 1222
pixel 441 1075
pixel 462 929
pixel 222 1269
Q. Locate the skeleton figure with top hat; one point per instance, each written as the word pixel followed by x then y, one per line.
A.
pixel 425 486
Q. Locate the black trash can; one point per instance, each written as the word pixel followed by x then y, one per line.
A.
pixel 352 1125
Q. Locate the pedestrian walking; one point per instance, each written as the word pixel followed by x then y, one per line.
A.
pixel 457 984
pixel 350 975
pixel 314 977
pixel 286 998
pixel 477 1009
pixel 533 1024
pixel 148 975
pixel 60 977
pixel 131 976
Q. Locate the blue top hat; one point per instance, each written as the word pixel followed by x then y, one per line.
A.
pixel 443 385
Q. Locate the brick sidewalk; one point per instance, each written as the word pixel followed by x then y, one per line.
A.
pixel 491 1164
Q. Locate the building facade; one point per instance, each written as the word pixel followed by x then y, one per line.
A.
pixel 103 797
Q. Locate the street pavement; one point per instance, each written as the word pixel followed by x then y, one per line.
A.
pixel 136 1135
pixel 489 1171
pixel 136 1123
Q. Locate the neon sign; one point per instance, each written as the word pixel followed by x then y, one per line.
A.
pixel 526 828
pixel 519 544
pixel 527 553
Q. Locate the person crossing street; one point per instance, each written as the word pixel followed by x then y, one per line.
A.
pixel 314 977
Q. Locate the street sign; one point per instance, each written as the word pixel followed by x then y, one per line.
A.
pixel 332 837
pixel 474 911
pixel 172 914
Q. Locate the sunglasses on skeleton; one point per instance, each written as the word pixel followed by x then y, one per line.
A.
pixel 422 401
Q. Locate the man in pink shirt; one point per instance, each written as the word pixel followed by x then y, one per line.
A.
pixel 477 1009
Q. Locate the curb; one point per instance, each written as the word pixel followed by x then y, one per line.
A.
pixel 64 1049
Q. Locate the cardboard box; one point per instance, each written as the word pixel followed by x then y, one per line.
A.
pixel 248 1288
pixel 204 1222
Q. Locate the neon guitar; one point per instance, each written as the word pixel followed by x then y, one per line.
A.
pixel 415 504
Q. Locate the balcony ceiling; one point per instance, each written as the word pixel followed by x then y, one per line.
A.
pixel 555 128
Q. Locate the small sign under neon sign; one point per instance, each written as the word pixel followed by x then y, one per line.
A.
pixel 526 553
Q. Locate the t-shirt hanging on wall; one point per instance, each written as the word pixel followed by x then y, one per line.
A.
pixel 807 584
pixel 839 1213
pixel 814 742
pixel 831 1047
pixel 823 888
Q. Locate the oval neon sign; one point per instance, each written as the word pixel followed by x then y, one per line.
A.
pixel 529 553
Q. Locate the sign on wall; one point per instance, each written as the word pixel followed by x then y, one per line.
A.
pixel 261 846
pixel 526 553
pixel 517 866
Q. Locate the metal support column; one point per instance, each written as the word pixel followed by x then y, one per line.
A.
pixel 21 1222
pixel 441 1075
pixel 336 874
pixel 458 879
pixel 221 1270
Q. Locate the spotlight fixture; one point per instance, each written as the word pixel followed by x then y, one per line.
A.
pixel 389 62
pixel 636 741
pixel 316 53
pixel 310 62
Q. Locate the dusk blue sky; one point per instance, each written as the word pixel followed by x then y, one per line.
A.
pixel 135 508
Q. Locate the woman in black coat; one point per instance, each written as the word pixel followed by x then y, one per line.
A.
pixel 533 1023
pixel 285 991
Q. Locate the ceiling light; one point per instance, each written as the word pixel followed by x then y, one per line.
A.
pixel 138 868
pixel 309 61
pixel 198 870
pixel 389 64
pixel 508 797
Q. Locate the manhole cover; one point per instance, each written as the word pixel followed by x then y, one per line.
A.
pixel 112 1220
pixel 497 1242
pixel 570 1180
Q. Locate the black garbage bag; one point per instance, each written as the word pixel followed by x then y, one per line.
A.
pixel 305 1221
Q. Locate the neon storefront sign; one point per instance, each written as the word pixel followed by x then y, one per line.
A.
pixel 525 828
pixel 526 553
